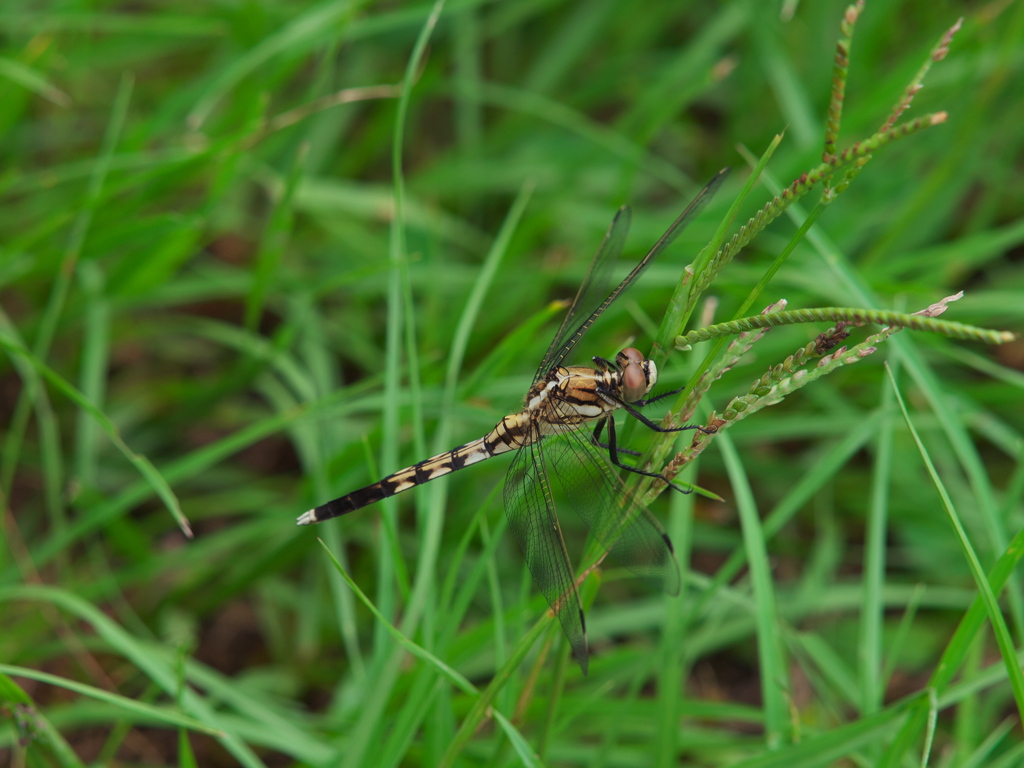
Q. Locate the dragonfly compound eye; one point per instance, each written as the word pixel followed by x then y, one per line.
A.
pixel 636 381
pixel 629 355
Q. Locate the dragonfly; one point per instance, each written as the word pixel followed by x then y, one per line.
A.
pixel 564 439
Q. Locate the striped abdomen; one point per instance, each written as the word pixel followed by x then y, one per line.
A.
pixel 511 433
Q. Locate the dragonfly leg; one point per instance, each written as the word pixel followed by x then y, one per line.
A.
pixel 656 398
pixel 631 409
pixel 595 438
pixel 613 455
pixel 661 396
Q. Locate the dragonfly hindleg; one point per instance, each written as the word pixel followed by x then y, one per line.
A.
pixel 613 455
pixel 595 438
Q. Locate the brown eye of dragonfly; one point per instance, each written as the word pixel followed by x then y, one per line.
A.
pixel 634 378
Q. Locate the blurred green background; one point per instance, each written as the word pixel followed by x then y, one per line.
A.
pixel 207 301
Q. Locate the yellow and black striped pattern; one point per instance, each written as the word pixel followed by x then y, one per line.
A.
pixel 569 398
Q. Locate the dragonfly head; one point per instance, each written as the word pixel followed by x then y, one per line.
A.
pixel 637 374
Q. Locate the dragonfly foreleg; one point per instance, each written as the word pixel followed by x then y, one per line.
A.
pixel 661 396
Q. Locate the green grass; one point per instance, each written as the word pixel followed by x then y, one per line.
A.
pixel 244 271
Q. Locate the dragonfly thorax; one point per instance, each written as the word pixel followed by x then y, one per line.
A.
pixel 569 397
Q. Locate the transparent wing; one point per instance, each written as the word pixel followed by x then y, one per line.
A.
pixel 568 337
pixel 531 516
pixel 594 284
pixel 622 525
